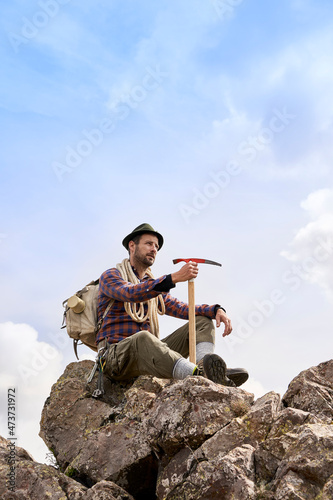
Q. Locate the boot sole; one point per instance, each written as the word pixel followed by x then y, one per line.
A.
pixel 215 369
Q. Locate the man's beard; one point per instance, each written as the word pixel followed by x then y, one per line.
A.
pixel 144 259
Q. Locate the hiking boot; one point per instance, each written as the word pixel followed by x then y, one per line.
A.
pixel 238 375
pixel 214 368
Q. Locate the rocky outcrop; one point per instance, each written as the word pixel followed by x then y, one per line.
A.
pixel 34 481
pixel 132 432
pixel 159 439
pixel 312 391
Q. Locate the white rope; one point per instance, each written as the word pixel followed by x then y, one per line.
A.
pixel 136 310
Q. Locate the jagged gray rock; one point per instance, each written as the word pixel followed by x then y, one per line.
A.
pixel 35 481
pixel 191 439
pixel 312 391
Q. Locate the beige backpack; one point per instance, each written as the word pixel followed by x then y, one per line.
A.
pixel 80 316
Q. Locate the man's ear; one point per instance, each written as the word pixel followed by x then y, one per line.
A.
pixel 131 246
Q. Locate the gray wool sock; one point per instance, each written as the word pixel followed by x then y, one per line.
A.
pixel 182 369
pixel 203 348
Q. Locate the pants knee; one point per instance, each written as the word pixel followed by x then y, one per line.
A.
pixel 145 338
pixel 205 329
pixel 204 320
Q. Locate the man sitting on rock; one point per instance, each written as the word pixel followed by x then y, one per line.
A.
pixel 130 327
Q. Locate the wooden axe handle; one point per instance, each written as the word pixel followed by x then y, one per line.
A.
pixel 191 319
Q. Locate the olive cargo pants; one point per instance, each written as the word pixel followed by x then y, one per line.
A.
pixel 144 354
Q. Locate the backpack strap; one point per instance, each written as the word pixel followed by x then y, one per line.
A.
pixel 75 343
pixel 100 321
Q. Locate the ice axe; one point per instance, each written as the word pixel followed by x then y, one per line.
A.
pixel 191 305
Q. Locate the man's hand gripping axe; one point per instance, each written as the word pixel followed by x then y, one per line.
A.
pixel 191 305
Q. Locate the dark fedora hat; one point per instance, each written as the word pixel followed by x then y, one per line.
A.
pixel 143 229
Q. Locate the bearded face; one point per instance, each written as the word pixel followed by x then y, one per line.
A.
pixel 145 250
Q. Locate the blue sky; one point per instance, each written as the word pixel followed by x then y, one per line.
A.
pixel 212 121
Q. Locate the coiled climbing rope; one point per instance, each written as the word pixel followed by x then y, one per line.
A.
pixel 137 310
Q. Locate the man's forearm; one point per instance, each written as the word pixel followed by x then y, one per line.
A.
pixel 112 285
pixel 165 285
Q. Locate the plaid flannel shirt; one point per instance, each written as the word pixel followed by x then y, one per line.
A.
pixel 117 324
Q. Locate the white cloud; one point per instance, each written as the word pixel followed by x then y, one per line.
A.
pixel 31 367
pixel 319 203
pixel 312 247
pixel 255 387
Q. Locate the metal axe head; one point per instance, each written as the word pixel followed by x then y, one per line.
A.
pixel 199 261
